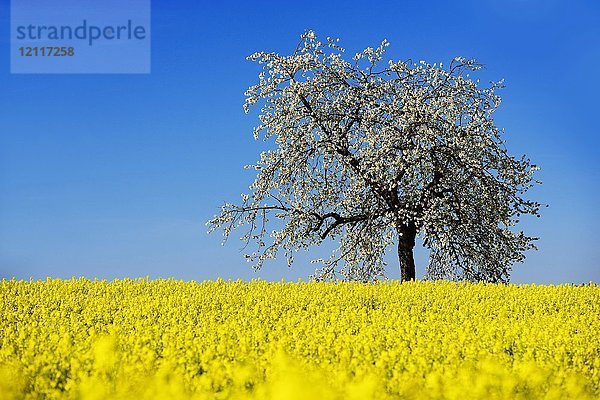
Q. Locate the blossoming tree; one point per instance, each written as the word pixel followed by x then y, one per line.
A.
pixel 370 155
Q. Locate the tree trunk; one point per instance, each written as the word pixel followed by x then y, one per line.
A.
pixel 406 243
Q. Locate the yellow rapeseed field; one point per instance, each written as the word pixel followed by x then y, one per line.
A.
pixel 167 339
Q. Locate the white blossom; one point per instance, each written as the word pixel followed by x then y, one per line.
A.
pixel 371 156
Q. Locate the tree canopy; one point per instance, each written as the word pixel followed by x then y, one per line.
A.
pixel 372 154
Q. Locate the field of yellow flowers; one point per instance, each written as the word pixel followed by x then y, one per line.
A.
pixel 167 339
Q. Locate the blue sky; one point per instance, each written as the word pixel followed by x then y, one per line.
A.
pixel 115 175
